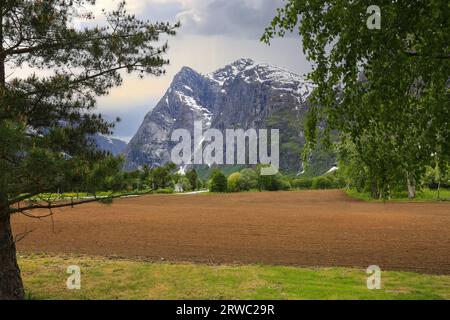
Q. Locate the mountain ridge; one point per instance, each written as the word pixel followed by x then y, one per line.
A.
pixel 243 94
pixel 110 144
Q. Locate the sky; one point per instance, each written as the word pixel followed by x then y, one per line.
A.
pixel 214 33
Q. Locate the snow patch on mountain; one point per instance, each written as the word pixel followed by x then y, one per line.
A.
pixel 242 94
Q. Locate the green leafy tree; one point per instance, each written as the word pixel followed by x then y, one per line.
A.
pixel 193 178
pixel 352 167
pixel 163 177
pixel 185 183
pixel 233 182
pixel 386 90
pixel 104 175
pixel 249 179
pixel 45 121
pixel 218 181
pixel 273 183
pixel 435 179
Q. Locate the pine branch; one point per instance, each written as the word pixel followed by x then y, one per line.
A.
pixel 50 205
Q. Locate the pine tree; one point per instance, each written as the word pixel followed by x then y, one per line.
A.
pixel 45 121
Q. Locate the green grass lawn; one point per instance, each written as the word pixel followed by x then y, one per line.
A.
pixel 422 196
pixel 45 278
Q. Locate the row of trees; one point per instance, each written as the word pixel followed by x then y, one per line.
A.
pixel 358 175
pixel 164 177
pixel 385 91
pixel 250 179
pixel 107 176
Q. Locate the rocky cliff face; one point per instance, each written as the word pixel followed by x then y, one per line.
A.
pixel 243 95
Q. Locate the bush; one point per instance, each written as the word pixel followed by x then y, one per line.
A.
pixel 218 182
pixel 268 183
pixel 273 183
pixel 319 183
pixel 248 180
pixel 337 179
pixel 285 185
pixel 302 183
pixel 233 182
pixel 245 185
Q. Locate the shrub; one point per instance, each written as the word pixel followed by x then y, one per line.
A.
pixel 285 185
pixel 273 183
pixel 218 182
pixel 302 183
pixel 337 179
pixel 322 183
pixel 244 184
pixel 268 183
pixel 233 182
pixel 248 180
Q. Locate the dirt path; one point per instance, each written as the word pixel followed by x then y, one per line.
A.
pixel 317 228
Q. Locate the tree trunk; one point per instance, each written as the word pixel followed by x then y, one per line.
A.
pixel 374 190
pixel 11 286
pixel 411 186
pixel 439 190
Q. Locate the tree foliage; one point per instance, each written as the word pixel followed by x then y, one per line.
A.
pixel 162 177
pixel 233 182
pixel 192 176
pixel 218 182
pixel 47 116
pixel 385 90
pixel 46 121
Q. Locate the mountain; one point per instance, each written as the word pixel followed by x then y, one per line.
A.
pixel 112 145
pixel 242 95
pixel 101 142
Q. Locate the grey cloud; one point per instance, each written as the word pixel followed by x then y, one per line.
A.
pixel 156 11
pixel 237 18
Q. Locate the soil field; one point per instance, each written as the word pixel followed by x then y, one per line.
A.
pixel 317 228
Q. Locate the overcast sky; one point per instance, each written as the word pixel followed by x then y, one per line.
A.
pixel 213 33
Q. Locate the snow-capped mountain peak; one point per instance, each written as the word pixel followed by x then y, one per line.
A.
pixel 242 94
pixel 231 71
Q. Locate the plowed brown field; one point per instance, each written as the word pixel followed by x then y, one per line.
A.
pixel 317 228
